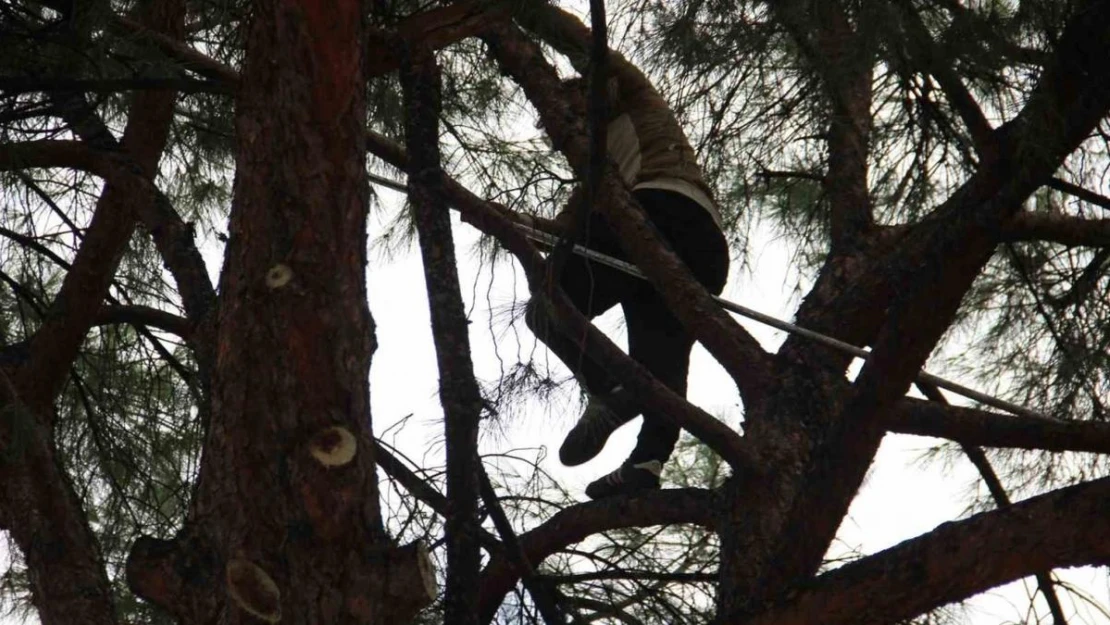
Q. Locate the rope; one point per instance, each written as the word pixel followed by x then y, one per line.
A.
pixel 550 240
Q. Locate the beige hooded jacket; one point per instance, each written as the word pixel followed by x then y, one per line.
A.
pixel 646 142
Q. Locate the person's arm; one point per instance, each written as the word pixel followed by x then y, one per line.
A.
pixel 570 37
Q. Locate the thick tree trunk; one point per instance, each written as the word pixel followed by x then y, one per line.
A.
pixel 286 525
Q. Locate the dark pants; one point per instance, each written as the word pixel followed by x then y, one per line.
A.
pixel 656 339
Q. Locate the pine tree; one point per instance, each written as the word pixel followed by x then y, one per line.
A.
pixel 174 449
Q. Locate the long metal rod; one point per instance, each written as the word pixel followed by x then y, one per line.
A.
pixel 549 240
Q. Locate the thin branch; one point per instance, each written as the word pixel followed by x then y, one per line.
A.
pixel 732 346
pixel 623 574
pixel 85 285
pixel 189 57
pixel 566 527
pixel 500 223
pixel 458 389
pixel 544 594
pixel 1080 193
pixel 14 85
pixel 929 57
pixel 172 236
pixel 145 316
pixel 844 61
pixel 435 28
pixel 1058 228
pixel 422 490
pixel 603 608
pixel 973 426
pixel 597 116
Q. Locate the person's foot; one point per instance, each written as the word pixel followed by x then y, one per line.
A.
pixel 603 415
pixel 629 478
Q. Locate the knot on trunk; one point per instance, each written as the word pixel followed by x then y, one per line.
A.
pixel 253 590
pixel 401 582
pixel 333 446
pixel 177 575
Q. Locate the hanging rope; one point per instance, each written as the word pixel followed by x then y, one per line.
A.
pixel 549 240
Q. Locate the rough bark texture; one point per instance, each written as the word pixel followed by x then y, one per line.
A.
pixel 286 512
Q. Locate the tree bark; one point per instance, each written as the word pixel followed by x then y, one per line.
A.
pixel 286 512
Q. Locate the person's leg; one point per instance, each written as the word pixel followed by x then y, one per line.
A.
pixel 593 289
pixel 592 301
pixel 658 340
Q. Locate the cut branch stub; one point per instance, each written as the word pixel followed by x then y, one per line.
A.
pixel 404 583
pixel 333 446
pixel 278 276
pixel 253 590
pixel 178 575
pixel 411 574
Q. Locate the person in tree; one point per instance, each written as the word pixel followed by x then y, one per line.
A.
pixel 654 158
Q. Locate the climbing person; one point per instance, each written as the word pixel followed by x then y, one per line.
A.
pixel 647 145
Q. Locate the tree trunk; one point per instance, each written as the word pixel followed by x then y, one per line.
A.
pixel 286 525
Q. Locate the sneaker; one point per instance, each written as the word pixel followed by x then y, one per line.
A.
pixel 629 478
pixel 603 415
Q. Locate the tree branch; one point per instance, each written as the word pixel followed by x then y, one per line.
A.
pixel 1080 193
pixel 1002 500
pixel 544 594
pixel 188 56
pixel 145 316
pixel 844 61
pixel 500 223
pixel 172 236
pixel 13 85
pixel 422 490
pixel 929 58
pixel 972 426
pixel 1057 228
pixel 458 390
pixel 85 286
pixel 664 507
pixel 956 560
pixel 42 511
pixel 436 28
pixel 938 262
pixel 597 116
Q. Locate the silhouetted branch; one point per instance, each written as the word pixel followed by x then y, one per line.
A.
pixel 973 426
pixel 955 561
pixel 566 527
pixel 1057 228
